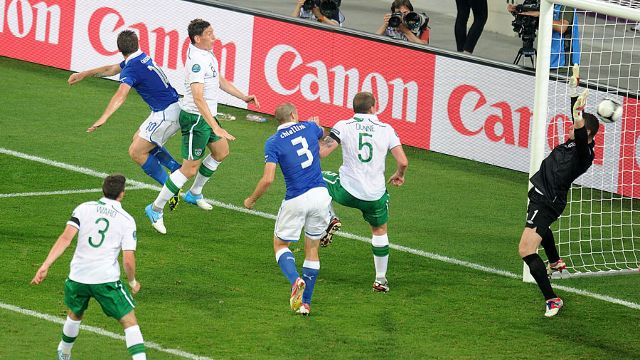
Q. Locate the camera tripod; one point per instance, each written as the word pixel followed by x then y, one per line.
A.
pixel 526 51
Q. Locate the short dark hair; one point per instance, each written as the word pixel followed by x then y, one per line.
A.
pixel 284 111
pixel 362 102
pixel 196 28
pixel 113 186
pixel 397 3
pixel 591 123
pixel 127 42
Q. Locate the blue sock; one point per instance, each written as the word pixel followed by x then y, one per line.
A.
pixel 309 275
pixel 287 263
pixel 165 158
pixel 152 168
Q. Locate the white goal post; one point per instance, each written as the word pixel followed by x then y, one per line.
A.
pixel 604 239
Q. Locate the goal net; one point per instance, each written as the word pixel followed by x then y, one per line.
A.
pixel 599 231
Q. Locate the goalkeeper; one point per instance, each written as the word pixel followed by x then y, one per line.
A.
pixel 548 195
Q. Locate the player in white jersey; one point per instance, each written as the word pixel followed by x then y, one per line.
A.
pixel 104 229
pixel 365 143
pixel 200 130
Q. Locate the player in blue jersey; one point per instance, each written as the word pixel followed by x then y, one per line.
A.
pixel 306 203
pixel 138 71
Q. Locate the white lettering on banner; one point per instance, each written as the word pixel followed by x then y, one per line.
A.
pixel 105 23
pixel 20 20
pixel 319 76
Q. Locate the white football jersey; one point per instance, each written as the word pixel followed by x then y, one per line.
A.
pixel 201 67
pixel 104 229
pixel 365 143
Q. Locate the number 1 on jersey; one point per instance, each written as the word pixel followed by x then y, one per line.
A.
pixel 303 151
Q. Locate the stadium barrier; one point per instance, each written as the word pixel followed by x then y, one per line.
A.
pixel 439 101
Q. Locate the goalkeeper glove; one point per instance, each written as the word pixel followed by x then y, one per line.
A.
pixel 579 105
pixel 574 81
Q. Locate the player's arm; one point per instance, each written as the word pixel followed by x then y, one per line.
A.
pixel 296 10
pixel 228 87
pixel 102 71
pixel 268 176
pixel 116 101
pixel 197 90
pixel 63 242
pixel 402 163
pixel 129 264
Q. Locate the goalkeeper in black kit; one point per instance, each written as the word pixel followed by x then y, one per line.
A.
pixel 548 195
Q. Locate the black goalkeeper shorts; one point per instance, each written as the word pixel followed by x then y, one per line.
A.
pixel 541 212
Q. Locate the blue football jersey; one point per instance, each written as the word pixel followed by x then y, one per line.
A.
pixel 140 72
pixel 296 149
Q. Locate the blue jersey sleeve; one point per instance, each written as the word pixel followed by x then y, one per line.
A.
pixel 270 151
pixel 127 76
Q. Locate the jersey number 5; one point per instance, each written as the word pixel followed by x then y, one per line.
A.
pixel 304 151
pixel 363 143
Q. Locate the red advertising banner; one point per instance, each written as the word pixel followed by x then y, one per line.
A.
pixel 37 31
pixel 629 174
pixel 320 72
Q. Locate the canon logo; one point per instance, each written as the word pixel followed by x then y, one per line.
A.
pixel 167 44
pixel 497 127
pixel 24 19
pixel 315 84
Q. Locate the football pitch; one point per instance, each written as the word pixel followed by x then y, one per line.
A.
pixel 211 288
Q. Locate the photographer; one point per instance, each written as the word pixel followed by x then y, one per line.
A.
pixel 565 38
pixel 405 24
pixel 325 11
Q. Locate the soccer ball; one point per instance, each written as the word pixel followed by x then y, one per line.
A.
pixel 609 111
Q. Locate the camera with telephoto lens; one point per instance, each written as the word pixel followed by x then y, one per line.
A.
pixel 525 25
pixel 413 20
pixel 328 8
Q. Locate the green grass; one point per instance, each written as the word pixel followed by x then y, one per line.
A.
pixel 211 286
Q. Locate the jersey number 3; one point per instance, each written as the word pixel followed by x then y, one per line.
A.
pixel 101 232
pixel 304 151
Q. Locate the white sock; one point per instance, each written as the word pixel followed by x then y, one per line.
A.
pixel 135 343
pixel 380 262
pixel 178 179
pixel 70 331
pixel 211 164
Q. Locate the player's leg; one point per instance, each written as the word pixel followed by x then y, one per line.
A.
pixel 341 196
pixel 143 153
pixel 549 245
pixel 195 134
pixel 376 213
pixel 316 221
pixel 539 218
pixel 76 298
pixel 169 126
pixel 288 226
pixel 116 302
pixel 219 148
pixel 133 336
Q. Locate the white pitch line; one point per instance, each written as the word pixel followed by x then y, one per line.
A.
pixel 59 192
pixel 99 331
pixel 421 253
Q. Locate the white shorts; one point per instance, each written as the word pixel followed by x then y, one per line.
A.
pixel 310 210
pixel 161 125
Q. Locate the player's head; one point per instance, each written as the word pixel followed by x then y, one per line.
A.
pixel 364 103
pixel 591 123
pixel 201 34
pixel 286 112
pixel 113 187
pixel 127 42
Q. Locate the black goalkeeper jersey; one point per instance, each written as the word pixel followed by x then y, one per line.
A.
pixel 565 163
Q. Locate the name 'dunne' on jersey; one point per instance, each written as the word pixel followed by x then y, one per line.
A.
pixel 106 211
pixel 367 128
pixel 292 130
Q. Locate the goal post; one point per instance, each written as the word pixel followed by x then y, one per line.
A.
pixel 599 231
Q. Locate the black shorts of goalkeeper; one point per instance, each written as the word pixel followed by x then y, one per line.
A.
pixel 542 212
